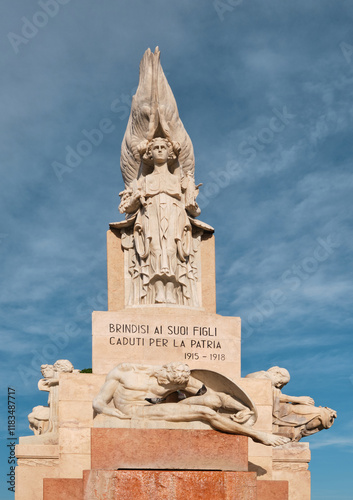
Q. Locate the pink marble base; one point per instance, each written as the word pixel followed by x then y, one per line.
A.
pixel 168 449
pixel 167 485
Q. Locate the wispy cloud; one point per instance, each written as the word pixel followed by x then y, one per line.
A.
pixel 345 442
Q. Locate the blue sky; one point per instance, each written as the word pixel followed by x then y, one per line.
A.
pixel 265 92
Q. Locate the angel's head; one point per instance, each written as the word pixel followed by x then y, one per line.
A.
pixel 160 150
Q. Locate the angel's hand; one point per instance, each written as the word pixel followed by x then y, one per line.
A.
pixel 136 195
pixel 125 195
pixel 193 209
pixel 126 192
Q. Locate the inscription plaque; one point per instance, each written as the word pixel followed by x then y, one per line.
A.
pixel 152 336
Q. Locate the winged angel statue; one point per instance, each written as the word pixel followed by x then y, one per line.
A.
pixel 160 234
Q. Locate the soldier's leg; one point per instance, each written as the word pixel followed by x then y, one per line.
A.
pixel 188 413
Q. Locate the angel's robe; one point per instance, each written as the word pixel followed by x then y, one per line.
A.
pixel 162 231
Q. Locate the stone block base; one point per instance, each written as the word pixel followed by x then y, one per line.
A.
pixel 63 489
pixel 168 449
pixel 290 463
pixel 272 490
pixel 166 485
pixel 34 463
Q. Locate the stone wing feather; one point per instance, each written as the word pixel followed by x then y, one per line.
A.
pixel 154 112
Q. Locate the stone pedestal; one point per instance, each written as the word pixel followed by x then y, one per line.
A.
pixel 166 485
pixel 142 464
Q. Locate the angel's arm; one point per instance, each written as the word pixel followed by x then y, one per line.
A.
pixel 190 193
pixel 194 210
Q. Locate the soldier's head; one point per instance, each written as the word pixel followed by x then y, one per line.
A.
pixel 280 376
pixel 47 371
pixel 174 373
pixel 63 365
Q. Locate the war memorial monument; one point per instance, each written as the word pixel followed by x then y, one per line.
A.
pixel 165 413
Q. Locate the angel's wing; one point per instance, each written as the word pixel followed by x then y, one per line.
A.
pixel 154 112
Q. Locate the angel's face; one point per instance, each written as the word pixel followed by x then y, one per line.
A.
pixel 159 152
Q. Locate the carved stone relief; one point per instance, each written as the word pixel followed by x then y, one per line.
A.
pixel 294 416
pixel 44 419
pixel 173 393
pixel 160 236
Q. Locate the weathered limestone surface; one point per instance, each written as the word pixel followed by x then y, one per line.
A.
pixel 75 422
pixel 260 456
pixel 72 452
pixel 291 463
pixel 29 480
pixel 116 272
pixel 33 464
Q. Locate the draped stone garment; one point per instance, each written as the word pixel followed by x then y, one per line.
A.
pixel 163 237
pixel 299 415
